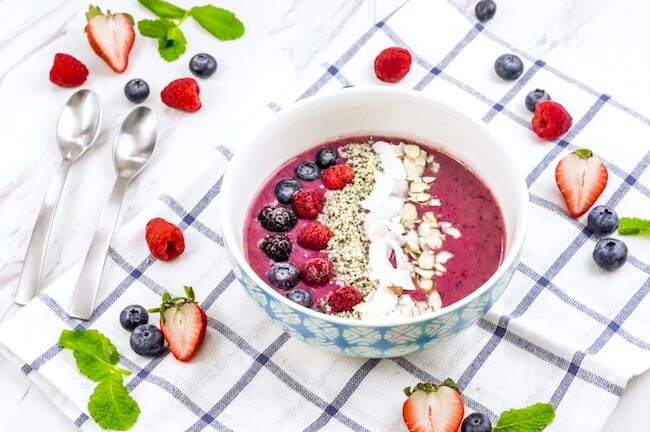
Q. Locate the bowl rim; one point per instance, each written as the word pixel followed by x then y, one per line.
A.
pixel 509 260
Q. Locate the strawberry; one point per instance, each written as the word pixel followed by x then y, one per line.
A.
pixel 581 178
pixel 111 36
pixel 433 408
pixel 183 324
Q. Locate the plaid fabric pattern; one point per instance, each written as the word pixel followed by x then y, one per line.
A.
pixel 563 332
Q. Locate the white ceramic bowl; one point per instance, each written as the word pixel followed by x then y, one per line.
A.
pixel 406 114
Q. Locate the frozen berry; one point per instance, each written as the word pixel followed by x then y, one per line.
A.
pixel 308 171
pixel 133 316
pixel 610 253
pixel 550 120
pixel 182 94
pixel 136 90
pixel 392 64
pixel 485 10
pixel 285 189
pixel 300 296
pixel 165 240
pixel 314 235
pixel 147 340
pixel 317 271
pixel 283 275
pixel 344 299
pixel 308 203
pixel 509 67
pixel 602 220
pixel 277 247
pixel 326 158
pixel 67 71
pixel 277 219
pixel 534 97
pixel 338 176
pixel 476 422
pixel 203 65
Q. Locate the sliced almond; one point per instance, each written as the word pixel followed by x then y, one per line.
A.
pixel 424 229
pixel 427 274
pixel 412 240
pixel 433 241
pixel 412 150
pixel 440 268
pixel 424 284
pixel 423 197
pixel 443 256
pixel 421 162
pixel 430 159
pixel 413 171
pixel 422 241
pixel 427 260
pixel 435 202
pixel 416 187
pixel 435 167
pixel 428 179
pixel 397 290
pixel 409 212
pixel 434 300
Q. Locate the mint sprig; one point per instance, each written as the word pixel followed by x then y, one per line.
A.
pixel 221 23
pixel 530 419
pixel 96 357
pixel 634 226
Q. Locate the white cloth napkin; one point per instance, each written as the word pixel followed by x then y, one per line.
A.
pixel 564 331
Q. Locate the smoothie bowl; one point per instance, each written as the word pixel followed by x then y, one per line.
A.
pixel 373 222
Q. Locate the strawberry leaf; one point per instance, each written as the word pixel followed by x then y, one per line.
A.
pixel 95 355
pixel 93 11
pixel 634 226
pixel 164 9
pixel 530 419
pixel 221 23
pixel 111 406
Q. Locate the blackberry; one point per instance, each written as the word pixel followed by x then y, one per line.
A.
pixel 277 247
pixel 277 219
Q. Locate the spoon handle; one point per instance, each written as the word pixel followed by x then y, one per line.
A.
pixel 30 277
pixel 83 299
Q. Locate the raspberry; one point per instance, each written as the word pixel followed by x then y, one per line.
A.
pixel 277 247
pixel 317 271
pixel 307 203
pixel 338 176
pixel 182 94
pixel 67 71
pixel 314 235
pixel 165 240
pixel 550 120
pixel 278 219
pixel 344 299
pixel 392 64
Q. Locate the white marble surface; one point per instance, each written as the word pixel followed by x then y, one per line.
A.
pixel 598 41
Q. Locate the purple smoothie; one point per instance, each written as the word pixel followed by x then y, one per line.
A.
pixel 466 202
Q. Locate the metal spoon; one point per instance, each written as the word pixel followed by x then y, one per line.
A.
pixel 76 131
pixel 132 149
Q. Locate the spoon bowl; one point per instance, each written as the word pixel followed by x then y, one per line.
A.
pixel 135 142
pixel 79 124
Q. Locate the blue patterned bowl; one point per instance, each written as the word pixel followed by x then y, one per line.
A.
pixel 366 111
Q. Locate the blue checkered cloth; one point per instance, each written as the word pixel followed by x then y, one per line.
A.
pixel 563 332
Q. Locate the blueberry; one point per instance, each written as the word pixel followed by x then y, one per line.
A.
pixel 277 219
pixel 300 296
pixel 136 90
pixel 132 316
pixel 277 247
pixel 534 97
pixel 285 189
pixel 610 253
pixel 147 340
pixel 326 158
pixel 509 67
pixel 308 171
pixel 476 422
pixel 283 275
pixel 203 65
pixel 485 10
pixel 602 220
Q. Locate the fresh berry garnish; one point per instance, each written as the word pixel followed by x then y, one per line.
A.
pixel 308 171
pixel 317 271
pixel 300 296
pixel 485 10
pixel 277 219
pixel 285 189
pixel 344 299
pixel 136 90
pixel 610 253
pixel 182 94
pixel 111 36
pixel 283 275
pixel 147 340
pixel 277 247
pixel 581 178
pixel 183 323
pixel 534 97
pixel 602 220
pixel 433 408
pixel 203 65
pixel 392 64
pixel 165 240
pixel 509 67
pixel 550 120
pixel 308 203
pixel 67 71
pixel 314 235
pixel 326 158
pixel 133 316
pixel 338 176
pixel 476 422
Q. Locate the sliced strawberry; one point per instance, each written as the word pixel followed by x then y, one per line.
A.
pixel 433 408
pixel 111 36
pixel 581 178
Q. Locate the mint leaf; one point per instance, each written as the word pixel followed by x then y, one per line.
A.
pixel 94 353
pixel 111 406
pixel 163 9
pixel 632 226
pixel 221 23
pixel 155 28
pixel 172 45
pixel 530 419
